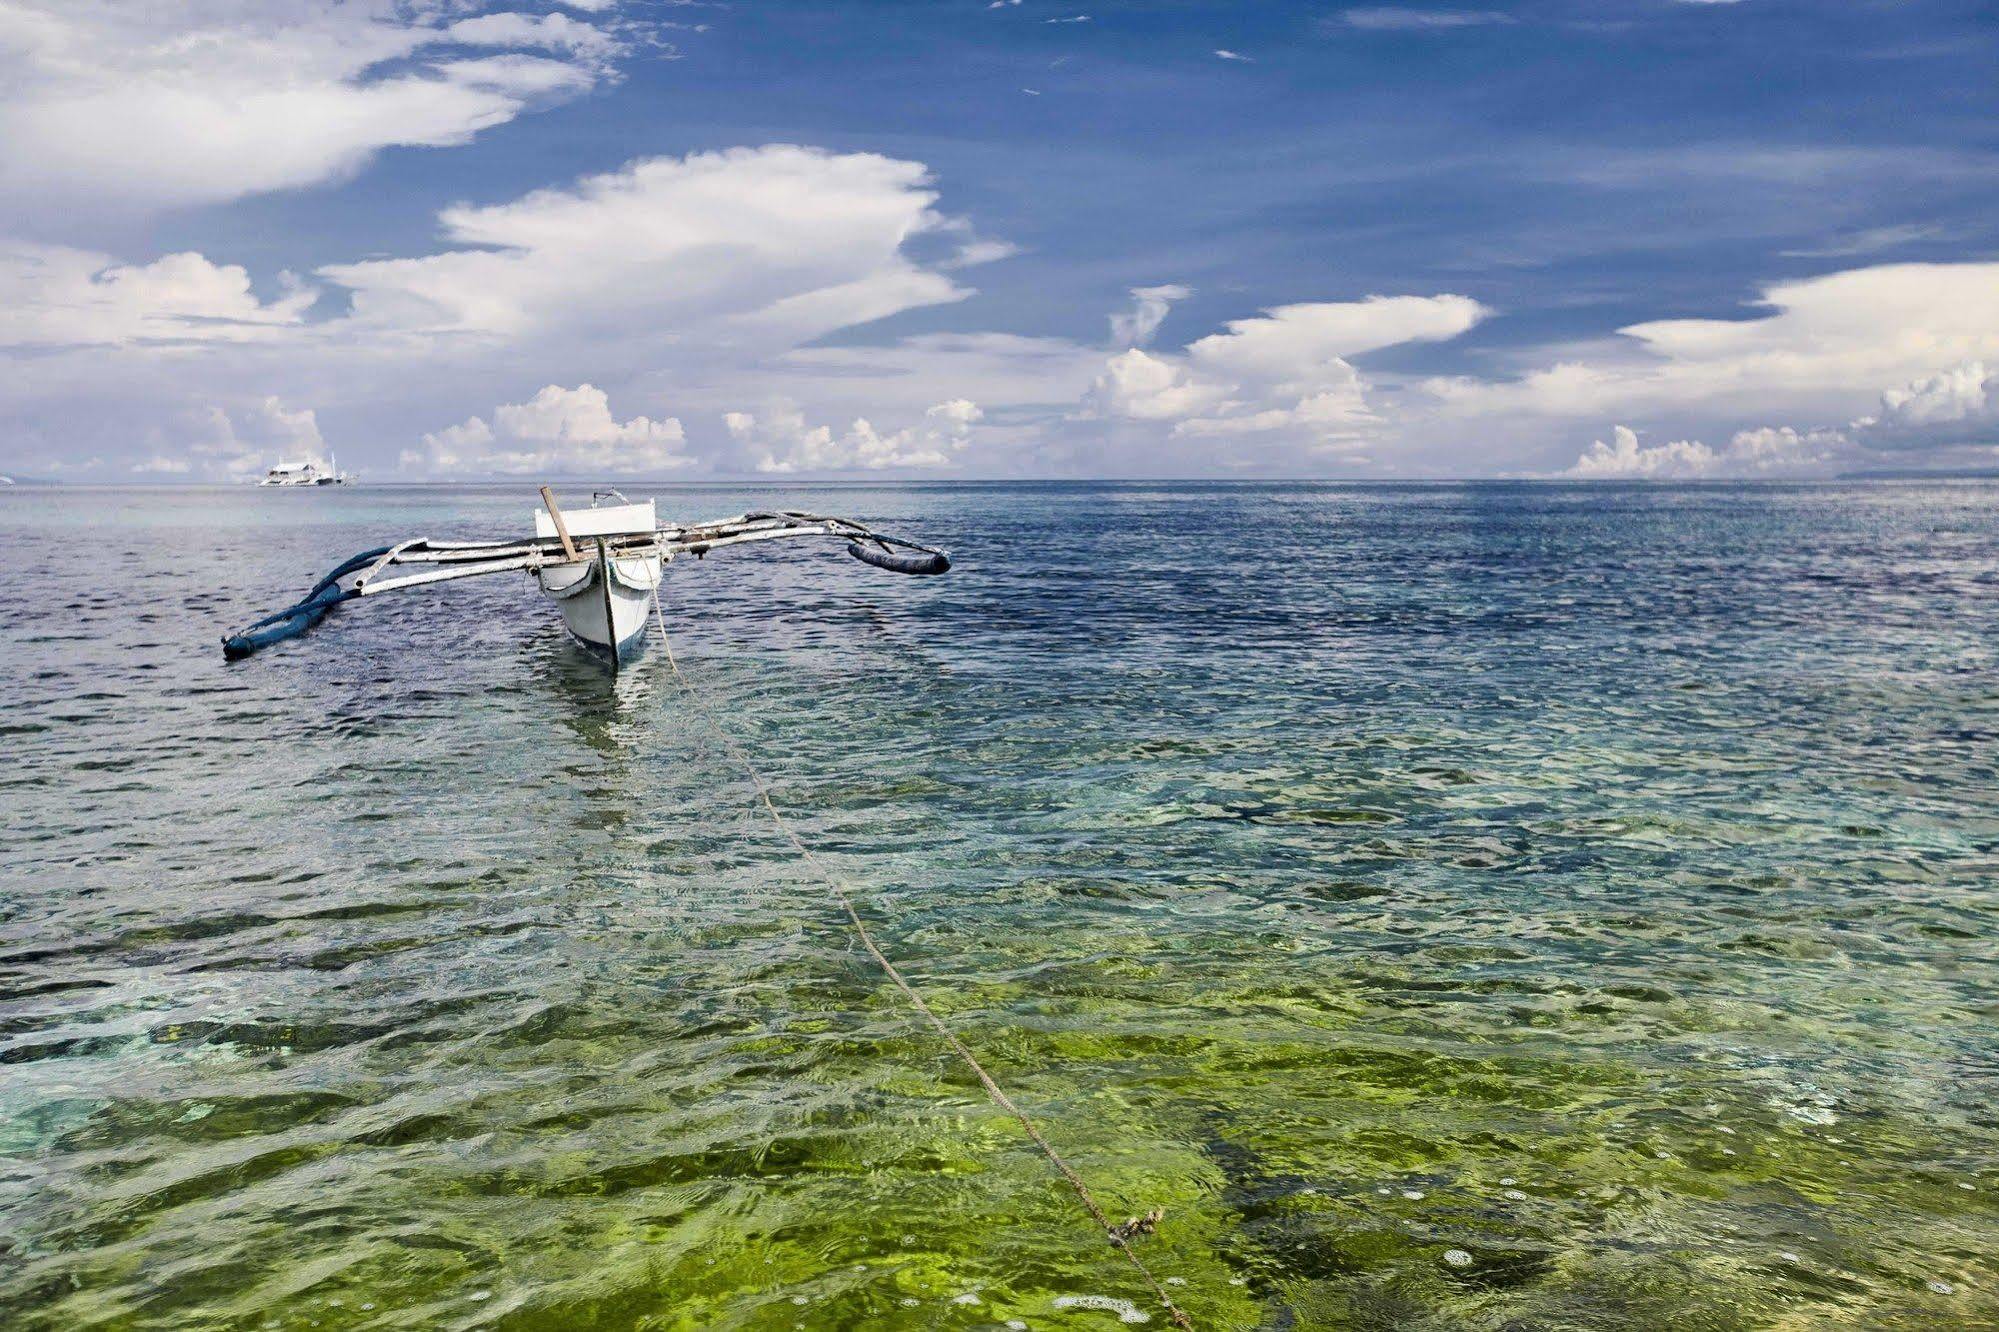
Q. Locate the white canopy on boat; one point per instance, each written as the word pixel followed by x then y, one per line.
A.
pixel 612 520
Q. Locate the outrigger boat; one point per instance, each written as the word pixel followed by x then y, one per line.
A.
pixel 601 566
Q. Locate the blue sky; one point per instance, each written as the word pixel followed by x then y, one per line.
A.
pixel 1633 237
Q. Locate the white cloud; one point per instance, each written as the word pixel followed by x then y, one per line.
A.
pixel 1396 19
pixel 1949 416
pixel 756 245
pixel 693 278
pixel 1817 352
pixel 1142 387
pixel 1935 414
pixel 554 31
pixel 1297 346
pixel 558 432
pixel 117 107
pixel 780 441
pixel 1781 450
pixel 1135 327
pixel 1766 451
pixel 1894 315
pixel 713 280
pixel 975 252
pixel 1281 373
pixel 517 76
pixel 1224 53
pixel 1964 395
pixel 235 444
pixel 1626 457
pixel 1337 415
pixel 55 296
pixel 1871 240
pixel 1039 381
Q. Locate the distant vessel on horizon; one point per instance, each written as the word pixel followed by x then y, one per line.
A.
pixel 308 473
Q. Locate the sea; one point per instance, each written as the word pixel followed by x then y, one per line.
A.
pixel 1458 906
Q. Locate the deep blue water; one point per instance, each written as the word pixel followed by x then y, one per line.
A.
pixel 1594 885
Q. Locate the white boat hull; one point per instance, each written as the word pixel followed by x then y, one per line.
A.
pixel 605 600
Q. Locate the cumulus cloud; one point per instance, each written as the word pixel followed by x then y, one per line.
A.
pixel 1284 372
pixel 120 107
pixel 1766 451
pixel 1935 413
pixel 242 441
pixel 1626 457
pixel 673 276
pixel 558 432
pixel 1769 450
pixel 779 440
pixel 57 296
pixel 1142 387
pixel 1958 405
pixel 1135 327
pixel 1961 394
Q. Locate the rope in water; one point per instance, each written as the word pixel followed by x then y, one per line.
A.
pixel 1119 1236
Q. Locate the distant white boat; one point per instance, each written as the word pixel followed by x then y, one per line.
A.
pixel 312 472
pixel 601 566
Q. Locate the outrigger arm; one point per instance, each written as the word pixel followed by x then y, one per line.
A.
pixel 452 560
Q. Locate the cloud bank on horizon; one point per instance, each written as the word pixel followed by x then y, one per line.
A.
pixel 476 239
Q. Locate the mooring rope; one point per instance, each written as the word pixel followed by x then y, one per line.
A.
pixel 1120 1236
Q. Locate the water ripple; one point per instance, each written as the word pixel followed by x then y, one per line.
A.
pixel 1458 906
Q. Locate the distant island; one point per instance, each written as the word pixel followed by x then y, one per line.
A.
pixel 1923 474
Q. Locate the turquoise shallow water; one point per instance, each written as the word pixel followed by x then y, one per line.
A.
pixel 1595 882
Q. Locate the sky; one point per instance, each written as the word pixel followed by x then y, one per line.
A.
pixel 997 238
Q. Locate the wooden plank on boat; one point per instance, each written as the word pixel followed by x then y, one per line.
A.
pixel 561 528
